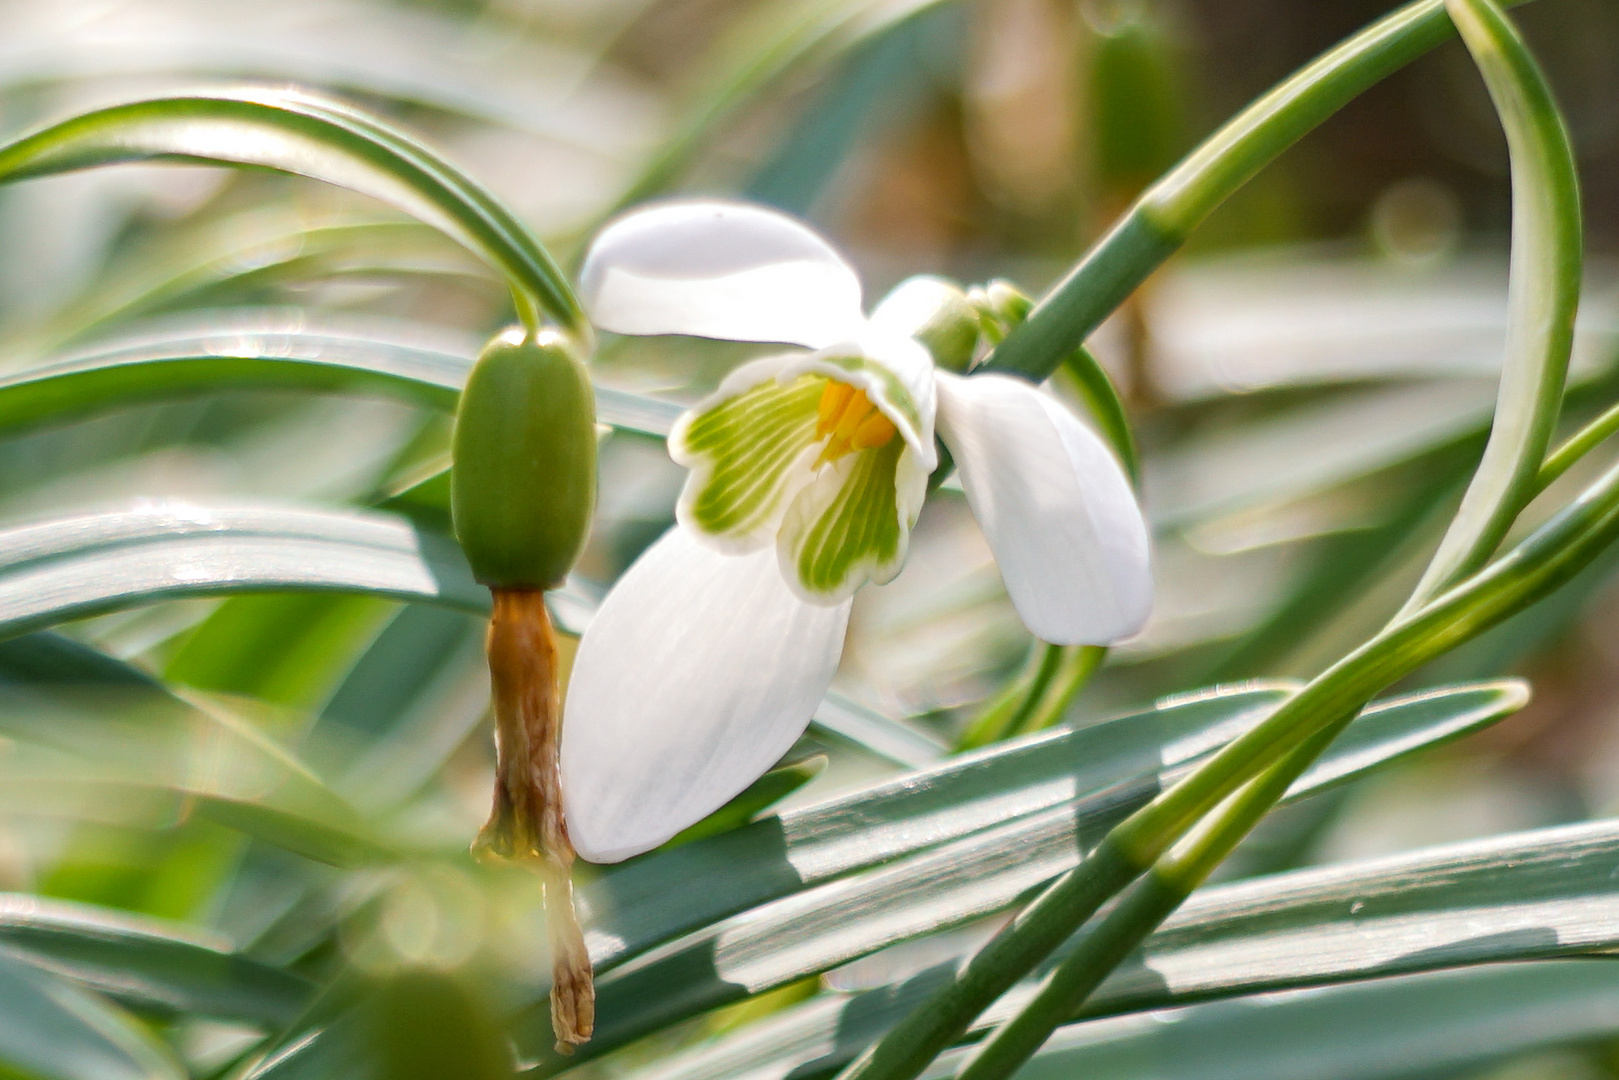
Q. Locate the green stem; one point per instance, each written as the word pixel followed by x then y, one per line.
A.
pixel 1075 666
pixel 1146 905
pixel 1575 447
pixel 1006 713
pixel 1543 561
pixel 1167 212
pixel 1543 294
pixel 1038 697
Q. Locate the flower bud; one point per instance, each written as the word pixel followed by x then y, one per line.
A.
pixel 523 483
pixel 937 313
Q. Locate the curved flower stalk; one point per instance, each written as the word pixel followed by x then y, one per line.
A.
pixel 808 471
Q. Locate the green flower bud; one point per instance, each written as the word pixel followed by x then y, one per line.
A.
pixel 937 313
pixel 1001 306
pixel 523 482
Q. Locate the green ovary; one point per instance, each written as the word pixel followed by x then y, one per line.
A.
pixel 752 440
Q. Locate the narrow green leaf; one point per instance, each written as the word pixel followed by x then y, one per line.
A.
pixel 1311 448
pixel 402 708
pixel 641 903
pixel 79 566
pixel 126 731
pixel 148 963
pixel 949 884
pixel 889 739
pixel 222 267
pixel 286 649
pixel 1167 212
pixel 53 1031
pixel 781 38
pixel 1542 296
pixel 272 349
pixel 295 132
pixel 759 796
pixel 1418 1027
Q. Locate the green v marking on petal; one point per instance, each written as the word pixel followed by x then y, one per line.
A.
pixel 859 530
pixel 750 441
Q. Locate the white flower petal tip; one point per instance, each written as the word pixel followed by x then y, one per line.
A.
pixel 720 270
pixel 697 674
pixel 1055 506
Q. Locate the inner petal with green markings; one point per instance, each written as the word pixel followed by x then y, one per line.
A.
pixel 807 461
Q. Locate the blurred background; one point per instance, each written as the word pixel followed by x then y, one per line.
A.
pixel 1311 379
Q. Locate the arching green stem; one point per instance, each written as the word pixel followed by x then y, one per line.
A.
pixel 1165 215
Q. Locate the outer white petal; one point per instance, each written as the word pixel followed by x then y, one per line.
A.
pixel 1055 506
pixel 698 672
pixel 720 270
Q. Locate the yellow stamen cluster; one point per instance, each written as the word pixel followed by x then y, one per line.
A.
pixel 849 422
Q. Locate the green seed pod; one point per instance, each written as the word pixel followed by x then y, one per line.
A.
pixel 523 482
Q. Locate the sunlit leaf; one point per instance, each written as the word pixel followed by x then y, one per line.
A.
pixel 1419 1026
pixel 295 132
pixel 209 352
pixel 957 881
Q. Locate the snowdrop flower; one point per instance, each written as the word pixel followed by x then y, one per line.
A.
pixel 808 470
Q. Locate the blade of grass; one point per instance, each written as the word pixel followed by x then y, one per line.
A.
pixel 295 132
pixel 215 351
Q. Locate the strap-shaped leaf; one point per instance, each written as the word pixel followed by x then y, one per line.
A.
pixel 295 132
pixel 779 39
pixel 99 725
pixel 271 349
pixel 79 566
pixel 54 1031
pixel 1419 1027
pixel 1528 896
pixel 947 885
pixel 650 900
pixel 148 962
pixel 74 567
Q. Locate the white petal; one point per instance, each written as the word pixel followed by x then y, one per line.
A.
pixel 698 672
pixel 1055 506
pixel 720 270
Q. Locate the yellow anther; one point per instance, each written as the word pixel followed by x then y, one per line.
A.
pixel 874 431
pixel 849 421
pixel 854 414
pixel 834 399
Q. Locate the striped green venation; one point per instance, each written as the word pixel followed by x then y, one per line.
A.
pixel 860 528
pixel 751 440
